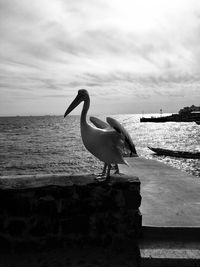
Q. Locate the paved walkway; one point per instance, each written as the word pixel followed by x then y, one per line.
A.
pixel 170 197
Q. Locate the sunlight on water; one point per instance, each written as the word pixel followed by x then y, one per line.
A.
pixel 51 144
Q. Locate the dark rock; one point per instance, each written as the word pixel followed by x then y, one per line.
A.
pixel 44 226
pixel 15 205
pixel 16 227
pixel 5 244
pixel 118 198
pixel 2 224
pixel 121 185
pixel 76 224
pixel 132 199
pixel 66 192
pixel 80 212
pixel 26 246
pixel 45 206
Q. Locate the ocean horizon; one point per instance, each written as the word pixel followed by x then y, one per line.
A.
pixel 51 144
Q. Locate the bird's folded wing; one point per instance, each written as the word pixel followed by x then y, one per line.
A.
pixel 120 129
pixel 99 123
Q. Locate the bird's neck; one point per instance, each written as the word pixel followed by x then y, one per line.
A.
pixel 86 106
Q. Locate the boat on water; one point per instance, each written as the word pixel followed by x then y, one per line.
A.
pixel 172 117
pixel 187 114
pixel 175 153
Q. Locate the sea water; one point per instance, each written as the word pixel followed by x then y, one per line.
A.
pixel 52 144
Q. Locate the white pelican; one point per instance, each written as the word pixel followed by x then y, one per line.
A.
pixel 114 124
pixel 105 144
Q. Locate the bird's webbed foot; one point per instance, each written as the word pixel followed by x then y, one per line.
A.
pixel 116 169
pixel 103 173
pixel 102 176
pixel 108 173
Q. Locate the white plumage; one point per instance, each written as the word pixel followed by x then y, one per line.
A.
pixel 106 143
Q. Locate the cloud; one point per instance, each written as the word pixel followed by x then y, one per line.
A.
pixel 138 50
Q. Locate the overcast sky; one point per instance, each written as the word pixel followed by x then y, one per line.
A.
pixel 132 56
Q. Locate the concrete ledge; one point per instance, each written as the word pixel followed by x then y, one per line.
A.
pixel 60 210
pixel 171 218
pixel 170 246
pixel 26 182
pixel 170 197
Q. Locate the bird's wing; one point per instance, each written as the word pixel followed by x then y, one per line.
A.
pixel 115 142
pixel 120 129
pixel 99 123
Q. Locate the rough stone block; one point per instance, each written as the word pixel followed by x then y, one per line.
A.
pixel 5 244
pixel 45 206
pixel 15 204
pixel 132 199
pixel 16 227
pixel 44 226
pixel 64 209
pixel 77 224
pixel 2 224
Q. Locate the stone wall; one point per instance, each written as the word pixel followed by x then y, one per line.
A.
pixel 60 210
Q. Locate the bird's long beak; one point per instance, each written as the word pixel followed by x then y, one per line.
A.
pixel 74 104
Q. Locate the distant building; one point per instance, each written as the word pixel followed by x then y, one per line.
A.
pixel 186 114
pixel 187 110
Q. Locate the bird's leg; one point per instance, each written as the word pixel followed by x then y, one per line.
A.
pixel 116 169
pixel 108 172
pixel 103 173
pixel 104 169
pixel 101 176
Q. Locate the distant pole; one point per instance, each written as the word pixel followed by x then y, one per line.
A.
pixel 161 112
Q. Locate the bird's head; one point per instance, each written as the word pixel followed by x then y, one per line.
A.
pixel 81 96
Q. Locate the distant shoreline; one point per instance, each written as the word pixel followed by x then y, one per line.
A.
pixel 78 115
